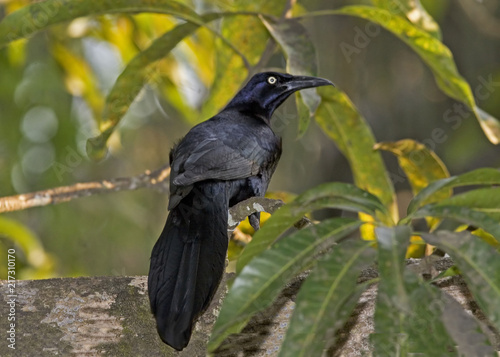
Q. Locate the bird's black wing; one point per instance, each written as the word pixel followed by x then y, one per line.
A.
pixel 208 152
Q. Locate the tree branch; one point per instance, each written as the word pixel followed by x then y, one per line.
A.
pixel 156 180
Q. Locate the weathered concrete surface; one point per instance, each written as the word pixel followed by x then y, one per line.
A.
pixel 109 316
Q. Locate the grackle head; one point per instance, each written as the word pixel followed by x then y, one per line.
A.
pixel 266 91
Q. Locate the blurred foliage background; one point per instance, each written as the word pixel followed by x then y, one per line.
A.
pixel 52 90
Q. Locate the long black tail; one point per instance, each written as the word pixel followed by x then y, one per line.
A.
pixel 188 261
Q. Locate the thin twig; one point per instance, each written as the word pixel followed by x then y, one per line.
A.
pixel 153 180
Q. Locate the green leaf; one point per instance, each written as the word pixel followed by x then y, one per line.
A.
pixel 479 264
pixel 330 195
pixel 393 300
pixel 486 200
pixel 40 15
pixel 300 54
pixel 468 338
pixel 438 325
pixel 407 307
pixel 340 120
pixel 132 80
pixel 326 300
pixel 414 12
pixel 485 176
pixel 263 278
pixel 461 214
pixel 434 53
pixel 392 244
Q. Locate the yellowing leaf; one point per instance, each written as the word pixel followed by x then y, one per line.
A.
pixel 421 165
pixel 433 52
pixel 250 37
pixel 413 11
pixel 340 120
pixel 416 249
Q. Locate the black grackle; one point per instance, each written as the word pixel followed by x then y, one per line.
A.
pixel 220 162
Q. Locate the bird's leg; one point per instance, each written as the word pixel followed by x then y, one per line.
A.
pixel 254 220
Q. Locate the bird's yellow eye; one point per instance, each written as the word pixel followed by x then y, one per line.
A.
pixel 271 80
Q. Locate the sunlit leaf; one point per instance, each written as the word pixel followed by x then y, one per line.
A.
pixel 479 264
pixel 326 300
pixel 413 11
pixel 260 282
pixel 41 264
pixel 416 249
pixel 433 52
pixel 485 176
pixel 250 37
pixel 131 81
pixel 331 195
pixel 487 237
pixel 421 165
pixel 340 120
pixel 301 59
pixel 119 32
pixel 39 15
pixel 80 80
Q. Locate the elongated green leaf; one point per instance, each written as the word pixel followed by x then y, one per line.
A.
pixel 392 244
pixel 331 195
pixel 479 264
pixel 407 307
pixel 39 15
pixel 262 279
pixel 390 337
pixel 356 198
pixel 461 214
pixel 300 54
pixel 433 52
pixel 437 325
pixel 465 331
pixel 326 300
pixel 131 81
pixel 485 176
pixel 413 11
pixel 340 120
pixel 485 200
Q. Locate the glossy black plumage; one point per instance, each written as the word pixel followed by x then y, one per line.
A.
pixel 220 162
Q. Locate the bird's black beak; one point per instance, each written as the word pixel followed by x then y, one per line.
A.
pixel 302 82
